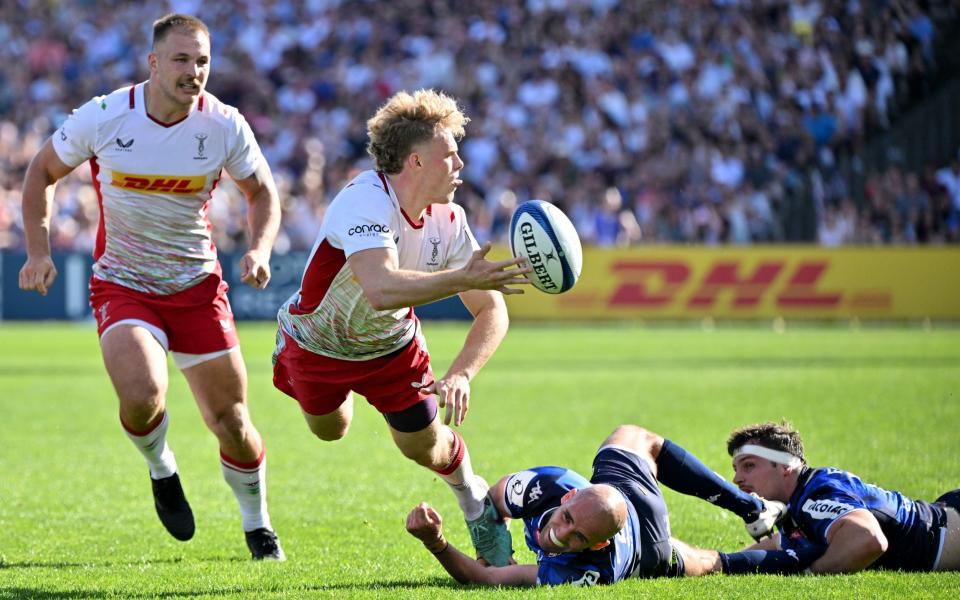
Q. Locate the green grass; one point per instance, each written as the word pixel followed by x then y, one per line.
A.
pixel 76 517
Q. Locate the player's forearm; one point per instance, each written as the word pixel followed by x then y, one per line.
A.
pixel 263 218
pixel 490 325
pixel 460 566
pixel 770 543
pixel 400 289
pixel 849 555
pixel 37 202
pixel 854 542
pixel 697 561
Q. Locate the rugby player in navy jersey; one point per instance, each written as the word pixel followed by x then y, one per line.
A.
pixel 855 524
pixel 614 526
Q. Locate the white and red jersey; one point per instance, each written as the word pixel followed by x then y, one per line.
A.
pixel 154 182
pixel 330 315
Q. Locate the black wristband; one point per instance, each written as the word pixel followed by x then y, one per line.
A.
pixel 446 545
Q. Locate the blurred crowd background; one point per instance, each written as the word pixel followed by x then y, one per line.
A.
pixel 711 122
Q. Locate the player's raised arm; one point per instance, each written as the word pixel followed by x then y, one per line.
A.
pixel 263 218
pixel 425 524
pixel 39 183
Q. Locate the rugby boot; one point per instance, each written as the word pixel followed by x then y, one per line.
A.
pixel 264 545
pixel 764 524
pixel 172 507
pixel 490 536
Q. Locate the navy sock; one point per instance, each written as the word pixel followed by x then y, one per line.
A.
pixel 770 562
pixel 683 472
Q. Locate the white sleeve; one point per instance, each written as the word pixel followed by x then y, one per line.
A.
pixel 243 152
pixel 464 244
pixel 76 140
pixel 360 218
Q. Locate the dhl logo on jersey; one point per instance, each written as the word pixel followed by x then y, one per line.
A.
pixel 159 184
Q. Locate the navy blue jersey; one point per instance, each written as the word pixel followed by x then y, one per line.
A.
pixel 912 527
pixel 640 549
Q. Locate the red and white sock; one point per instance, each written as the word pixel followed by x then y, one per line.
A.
pixel 469 489
pixel 249 484
pixel 152 444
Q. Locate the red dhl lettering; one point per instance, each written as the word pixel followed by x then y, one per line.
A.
pixel 747 290
pixel 661 283
pixel 159 184
pixel 648 283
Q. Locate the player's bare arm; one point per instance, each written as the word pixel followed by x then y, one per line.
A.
pixel 263 218
pixel 767 543
pixel 490 325
pixel 425 524
pixel 388 287
pixel 46 168
pixel 854 541
pixel 697 561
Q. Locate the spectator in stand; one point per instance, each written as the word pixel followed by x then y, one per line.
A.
pixel 648 101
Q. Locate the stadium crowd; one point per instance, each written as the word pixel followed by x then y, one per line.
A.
pixel 693 121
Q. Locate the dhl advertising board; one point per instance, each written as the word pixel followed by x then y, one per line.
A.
pixel 802 282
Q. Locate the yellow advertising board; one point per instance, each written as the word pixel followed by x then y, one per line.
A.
pixel 805 282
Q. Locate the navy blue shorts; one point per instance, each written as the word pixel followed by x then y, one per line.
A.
pixel 631 475
pixel 951 499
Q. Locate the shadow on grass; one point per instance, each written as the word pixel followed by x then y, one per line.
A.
pixel 112 563
pixel 346 588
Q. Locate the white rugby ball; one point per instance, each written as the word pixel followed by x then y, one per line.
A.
pixel 542 234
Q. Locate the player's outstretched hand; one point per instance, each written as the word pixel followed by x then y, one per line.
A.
pixel 453 393
pixel 255 270
pixel 425 524
pixel 486 275
pixel 38 274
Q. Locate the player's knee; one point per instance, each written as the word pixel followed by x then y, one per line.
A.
pixel 330 433
pixel 141 396
pixel 329 427
pixel 637 439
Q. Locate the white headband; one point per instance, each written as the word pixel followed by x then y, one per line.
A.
pixel 783 458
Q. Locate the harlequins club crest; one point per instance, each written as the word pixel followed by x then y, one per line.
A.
pixel 201 138
pixel 435 252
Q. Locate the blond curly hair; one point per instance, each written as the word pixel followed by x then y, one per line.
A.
pixel 407 120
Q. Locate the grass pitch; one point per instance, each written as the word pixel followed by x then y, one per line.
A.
pixel 76 514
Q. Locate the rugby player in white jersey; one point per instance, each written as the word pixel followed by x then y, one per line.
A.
pixel 156 151
pixel 390 240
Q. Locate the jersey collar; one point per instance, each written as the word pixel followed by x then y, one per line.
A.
pixel 139 104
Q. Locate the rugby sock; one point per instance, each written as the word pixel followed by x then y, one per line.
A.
pixel 770 562
pixel 249 484
pixel 152 444
pixel 683 472
pixel 469 489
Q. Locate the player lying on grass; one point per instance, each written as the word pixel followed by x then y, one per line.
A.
pixel 615 526
pixel 855 525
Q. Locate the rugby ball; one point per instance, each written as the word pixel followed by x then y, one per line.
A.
pixel 545 237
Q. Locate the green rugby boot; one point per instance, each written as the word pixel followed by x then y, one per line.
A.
pixel 490 536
